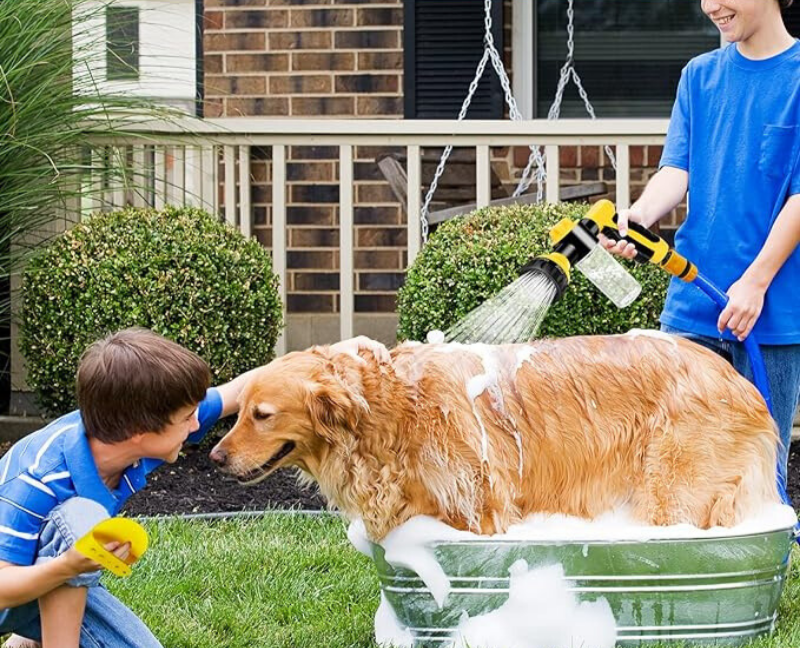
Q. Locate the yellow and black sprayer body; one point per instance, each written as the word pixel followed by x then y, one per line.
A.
pixel 649 247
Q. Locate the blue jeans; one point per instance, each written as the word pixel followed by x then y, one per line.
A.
pixel 782 363
pixel 107 623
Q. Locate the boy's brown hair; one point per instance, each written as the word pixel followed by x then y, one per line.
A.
pixel 134 381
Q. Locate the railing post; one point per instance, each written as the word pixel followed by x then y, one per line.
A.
pixel 414 207
pixel 160 191
pixel 553 189
pixel 141 177
pixel 194 177
pixel 117 178
pixel 346 298
pixel 209 187
pixel 177 176
pixel 245 216
pixel 483 184
pixel 230 185
pixel 279 231
pixel 97 170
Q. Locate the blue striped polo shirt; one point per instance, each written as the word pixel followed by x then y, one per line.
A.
pixel 52 465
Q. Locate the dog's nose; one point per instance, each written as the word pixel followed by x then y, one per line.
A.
pixel 219 456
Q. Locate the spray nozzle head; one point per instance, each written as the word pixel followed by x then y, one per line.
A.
pixel 555 266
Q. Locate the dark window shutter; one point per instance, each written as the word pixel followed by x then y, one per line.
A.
pixel 791 17
pixel 443 46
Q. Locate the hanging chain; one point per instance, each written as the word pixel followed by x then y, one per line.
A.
pixel 473 87
pixel 536 159
pixel 449 148
pixel 567 71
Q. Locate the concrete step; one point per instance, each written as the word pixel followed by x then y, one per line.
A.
pixel 13 428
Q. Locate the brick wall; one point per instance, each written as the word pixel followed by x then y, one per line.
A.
pixel 342 58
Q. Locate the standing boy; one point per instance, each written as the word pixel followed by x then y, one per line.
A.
pixel 141 398
pixel 734 144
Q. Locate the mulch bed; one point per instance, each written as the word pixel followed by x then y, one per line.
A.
pixel 193 485
pixel 793 481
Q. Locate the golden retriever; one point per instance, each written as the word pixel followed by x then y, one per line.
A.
pixel 480 436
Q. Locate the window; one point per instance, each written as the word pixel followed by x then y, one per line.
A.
pixel 791 17
pixel 122 43
pixel 629 54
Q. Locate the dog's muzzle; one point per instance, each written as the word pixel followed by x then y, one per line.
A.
pixel 259 473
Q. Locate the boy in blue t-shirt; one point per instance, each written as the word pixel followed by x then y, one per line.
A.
pixel 734 144
pixel 141 398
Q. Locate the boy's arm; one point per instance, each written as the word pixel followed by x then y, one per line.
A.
pixel 23 584
pixel 746 296
pixel 230 391
pixel 665 191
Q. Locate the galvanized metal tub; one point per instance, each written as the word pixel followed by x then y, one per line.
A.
pixel 712 591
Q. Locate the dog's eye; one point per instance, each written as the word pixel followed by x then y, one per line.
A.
pixel 261 414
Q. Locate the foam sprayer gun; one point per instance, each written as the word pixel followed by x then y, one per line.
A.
pixel 649 247
pixel 575 244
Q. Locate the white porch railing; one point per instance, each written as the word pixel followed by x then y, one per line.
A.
pixel 178 162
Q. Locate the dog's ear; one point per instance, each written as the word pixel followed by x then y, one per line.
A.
pixel 334 404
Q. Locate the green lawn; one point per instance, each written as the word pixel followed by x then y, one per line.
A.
pixel 288 581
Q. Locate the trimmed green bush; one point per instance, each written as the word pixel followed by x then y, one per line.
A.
pixel 468 260
pixel 179 272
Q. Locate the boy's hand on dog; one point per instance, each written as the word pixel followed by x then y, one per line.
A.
pixel 379 350
pixel 77 563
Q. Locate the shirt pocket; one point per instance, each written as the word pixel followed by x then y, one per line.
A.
pixel 778 148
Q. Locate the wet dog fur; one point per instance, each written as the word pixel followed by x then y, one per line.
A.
pixel 577 426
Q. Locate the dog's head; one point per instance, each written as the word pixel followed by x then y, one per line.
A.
pixel 292 412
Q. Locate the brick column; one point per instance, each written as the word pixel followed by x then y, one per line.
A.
pixel 295 58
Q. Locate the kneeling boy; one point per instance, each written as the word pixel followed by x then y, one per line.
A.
pixel 141 398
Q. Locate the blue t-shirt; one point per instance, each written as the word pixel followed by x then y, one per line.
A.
pixel 52 465
pixel 735 128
